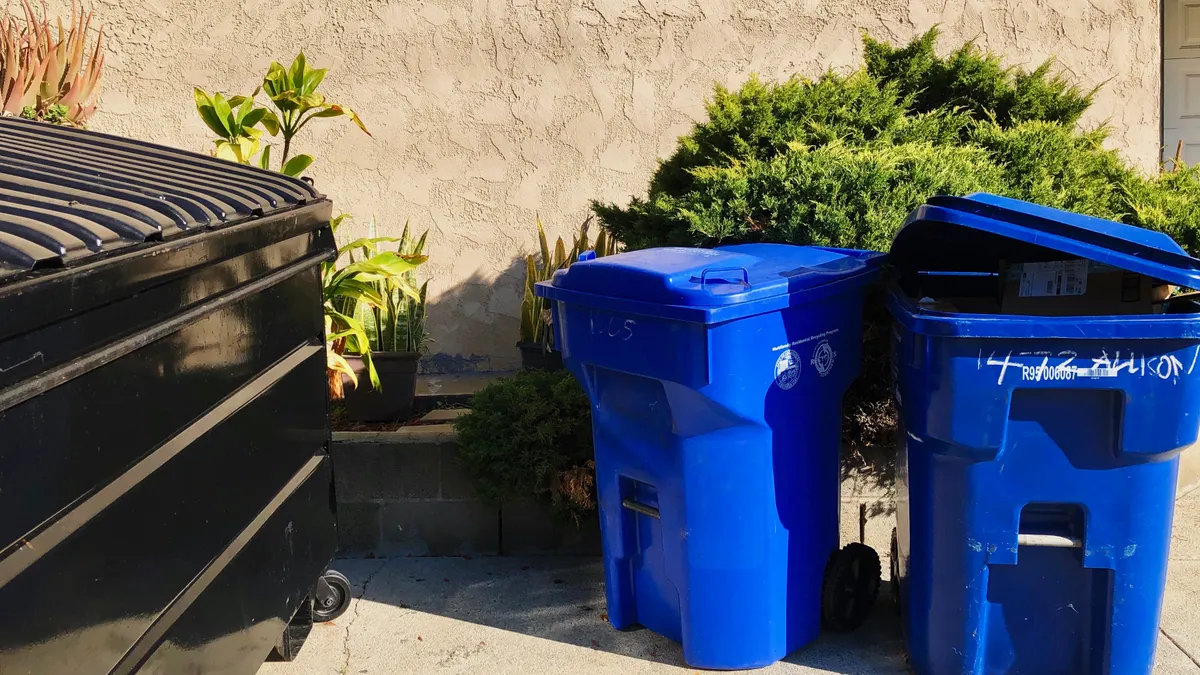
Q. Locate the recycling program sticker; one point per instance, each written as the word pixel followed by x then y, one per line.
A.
pixel 787 369
pixel 823 357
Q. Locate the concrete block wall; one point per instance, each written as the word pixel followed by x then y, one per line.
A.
pixel 403 493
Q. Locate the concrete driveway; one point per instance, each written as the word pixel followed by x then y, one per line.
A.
pixel 495 616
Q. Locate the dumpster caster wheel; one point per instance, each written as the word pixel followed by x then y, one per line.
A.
pixel 331 597
pixel 895 583
pixel 852 579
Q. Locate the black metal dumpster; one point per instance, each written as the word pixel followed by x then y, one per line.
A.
pixel 166 499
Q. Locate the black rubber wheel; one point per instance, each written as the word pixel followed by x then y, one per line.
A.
pixel 895 582
pixel 331 598
pixel 852 579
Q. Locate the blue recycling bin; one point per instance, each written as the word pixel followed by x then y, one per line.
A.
pixel 716 379
pixel 1038 453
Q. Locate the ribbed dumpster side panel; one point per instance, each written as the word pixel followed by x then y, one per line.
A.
pixel 164 470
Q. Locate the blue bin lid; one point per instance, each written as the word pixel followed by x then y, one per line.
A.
pixel 972 233
pixel 706 279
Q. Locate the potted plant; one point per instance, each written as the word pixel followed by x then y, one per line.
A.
pixel 537 324
pixel 396 335
pixel 375 323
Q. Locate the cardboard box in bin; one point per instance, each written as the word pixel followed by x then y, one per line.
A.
pixel 1078 288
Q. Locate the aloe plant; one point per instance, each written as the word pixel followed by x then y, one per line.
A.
pixel 43 72
pixel 344 289
pixel 536 321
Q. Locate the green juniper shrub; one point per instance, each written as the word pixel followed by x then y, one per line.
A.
pixel 974 81
pixel 1169 203
pixel 840 160
pixel 530 436
pixel 1054 165
pixel 830 195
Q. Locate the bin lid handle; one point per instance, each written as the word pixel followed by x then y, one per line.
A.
pixel 713 270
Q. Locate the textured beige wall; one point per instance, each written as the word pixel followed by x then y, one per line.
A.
pixel 487 112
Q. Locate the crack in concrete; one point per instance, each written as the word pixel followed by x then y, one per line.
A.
pixel 1180 647
pixel 354 616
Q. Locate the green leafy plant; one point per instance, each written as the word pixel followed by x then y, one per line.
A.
pixel 235 121
pixel 398 323
pixel 294 102
pixel 529 436
pixel 50 75
pixel 536 322
pixel 841 160
pixel 293 92
pixel 347 287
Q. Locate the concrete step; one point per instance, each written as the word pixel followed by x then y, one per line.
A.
pixel 444 416
pixel 435 392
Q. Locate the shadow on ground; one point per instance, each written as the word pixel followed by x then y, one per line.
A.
pixel 562 599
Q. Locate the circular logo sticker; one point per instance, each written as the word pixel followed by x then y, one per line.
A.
pixel 823 358
pixel 787 369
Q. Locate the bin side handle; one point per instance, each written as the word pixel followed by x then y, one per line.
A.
pixel 641 508
pixel 712 270
pixel 1048 541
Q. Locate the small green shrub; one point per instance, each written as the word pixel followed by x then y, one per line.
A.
pixel 530 436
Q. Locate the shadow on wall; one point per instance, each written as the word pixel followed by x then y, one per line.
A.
pixel 476 324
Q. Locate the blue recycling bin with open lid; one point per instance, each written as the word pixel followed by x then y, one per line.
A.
pixel 1041 425
pixel 716 378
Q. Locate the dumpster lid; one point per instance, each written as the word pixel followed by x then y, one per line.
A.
pixel 727 275
pixel 972 233
pixel 67 195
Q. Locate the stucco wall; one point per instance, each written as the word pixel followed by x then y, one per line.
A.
pixel 487 112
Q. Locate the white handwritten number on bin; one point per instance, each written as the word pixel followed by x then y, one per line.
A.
pixel 613 327
pixel 1164 367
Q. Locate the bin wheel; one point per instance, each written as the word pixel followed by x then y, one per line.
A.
pixel 331 598
pixel 852 579
pixel 896 570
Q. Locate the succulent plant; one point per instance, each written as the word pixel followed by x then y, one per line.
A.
pixel 398 323
pixel 41 68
